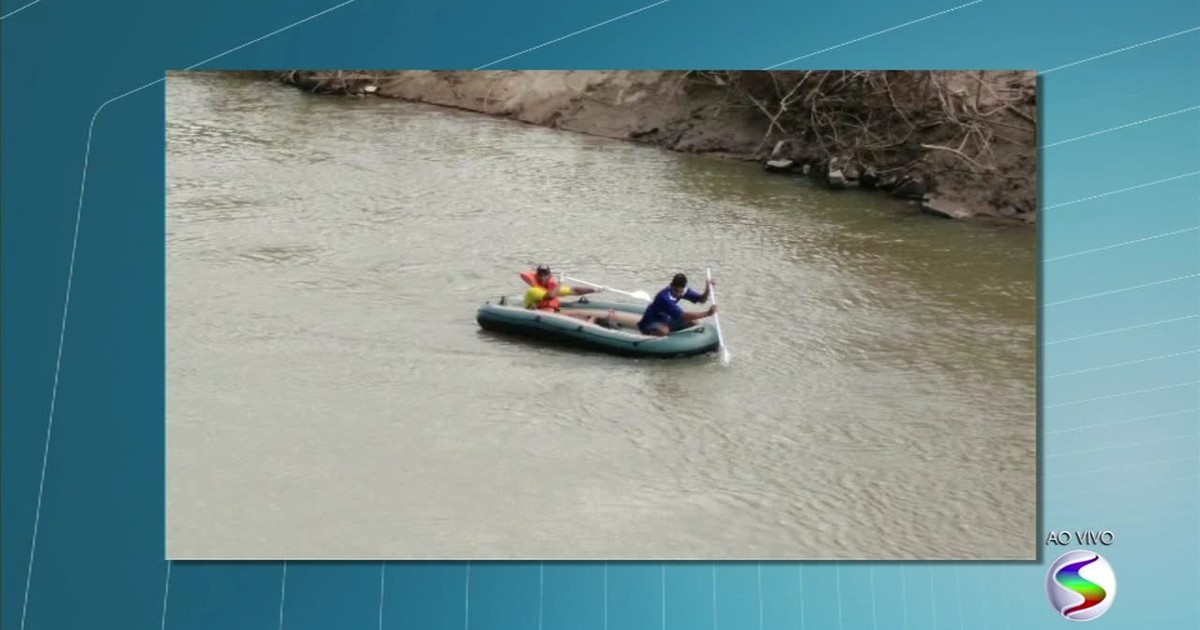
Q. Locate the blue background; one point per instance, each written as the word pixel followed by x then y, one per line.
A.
pixel 83 336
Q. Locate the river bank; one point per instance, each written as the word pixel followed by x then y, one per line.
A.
pixel 959 145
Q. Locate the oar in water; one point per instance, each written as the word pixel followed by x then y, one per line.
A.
pixel 716 319
pixel 637 295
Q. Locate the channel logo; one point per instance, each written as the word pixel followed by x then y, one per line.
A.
pixel 1081 585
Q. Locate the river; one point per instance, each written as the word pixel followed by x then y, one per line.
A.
pixel 330 394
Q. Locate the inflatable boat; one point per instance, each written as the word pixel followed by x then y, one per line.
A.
pixel 613 329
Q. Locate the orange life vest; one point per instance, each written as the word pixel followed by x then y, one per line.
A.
pixel 551 304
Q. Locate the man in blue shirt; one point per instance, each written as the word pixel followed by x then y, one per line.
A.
pixel 664 315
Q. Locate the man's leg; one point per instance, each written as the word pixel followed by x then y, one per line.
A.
pixel 657 330
pixel 681 323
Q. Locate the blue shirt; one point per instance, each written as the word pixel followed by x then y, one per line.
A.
pixel 665 308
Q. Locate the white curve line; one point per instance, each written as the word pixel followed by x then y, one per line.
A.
pixel 71 276
pixel 1155 516
pixel 663 586
pixel 1101 449
pixel 1122 290
pixel 1120 50
pixel 1124 363
pixel 987 622
pixel 1124 190
pixel 874 614
pixel 932 599
pixel 1120 127
pixel 904 595
pixel 875 34
pixel 1129 491
pixel 837 573
pixel 1157 482
pixel 1124 467
pixel 1123 394
pixel 958 595
pixel 17 10
pixel 760 598
pixel 714 595
pixel 37 513
pixel 282 593
pixel 800 591
pixel 1144 503
pixel 570 35
pixel 467 599
pixel 1125 329
pixel 382 576
pixel 1151 533
pixel 605 596
pixel 1125 421
pixel 166 593
pixel 1008 618
pixel 1122 244
pixel 541 594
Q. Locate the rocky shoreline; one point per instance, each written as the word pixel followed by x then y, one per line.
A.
pixel 957 145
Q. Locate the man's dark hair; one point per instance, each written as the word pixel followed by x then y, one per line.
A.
pixel 679 281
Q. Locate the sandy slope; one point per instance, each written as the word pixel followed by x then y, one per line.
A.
pixel 663 109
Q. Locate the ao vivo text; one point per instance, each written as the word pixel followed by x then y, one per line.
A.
pixel 1090 537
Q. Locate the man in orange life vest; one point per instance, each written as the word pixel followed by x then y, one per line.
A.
pixel 544 289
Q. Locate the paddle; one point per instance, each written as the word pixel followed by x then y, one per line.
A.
pixel 639 295
pixel 716 319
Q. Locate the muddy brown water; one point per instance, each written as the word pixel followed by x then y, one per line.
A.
pixel 331 396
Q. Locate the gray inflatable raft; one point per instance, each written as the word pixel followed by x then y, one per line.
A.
pixel 511 317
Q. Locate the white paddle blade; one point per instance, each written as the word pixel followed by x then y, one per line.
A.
pixel 640 295
pixel 717 320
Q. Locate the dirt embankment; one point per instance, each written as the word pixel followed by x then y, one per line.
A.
pixel 960 145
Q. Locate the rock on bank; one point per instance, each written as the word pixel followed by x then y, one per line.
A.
pixel 706 113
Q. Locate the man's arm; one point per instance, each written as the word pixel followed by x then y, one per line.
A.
pixel 693 316
pixel 696 297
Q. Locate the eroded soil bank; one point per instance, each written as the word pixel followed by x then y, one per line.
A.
pixel 959 145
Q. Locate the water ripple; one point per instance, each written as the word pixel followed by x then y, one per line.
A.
pixel 326 258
